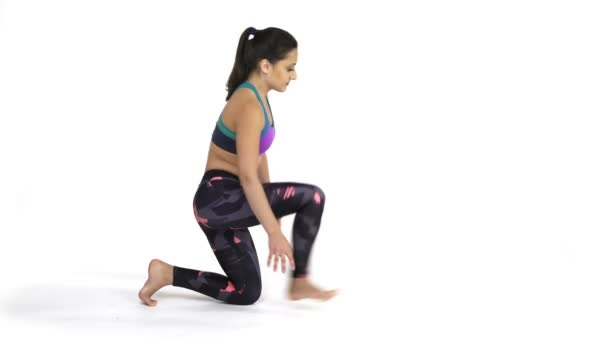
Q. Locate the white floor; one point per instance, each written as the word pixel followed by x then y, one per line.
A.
pixel 99 306
pixel 421 300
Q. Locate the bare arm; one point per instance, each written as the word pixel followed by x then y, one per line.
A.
pixel 248 126
pixel 263 173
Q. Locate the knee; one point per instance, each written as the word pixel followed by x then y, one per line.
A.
pixel 318 195
pixel 250 295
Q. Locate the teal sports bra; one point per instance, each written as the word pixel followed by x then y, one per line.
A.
pixel 225 138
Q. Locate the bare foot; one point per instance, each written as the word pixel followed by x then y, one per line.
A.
pixel 301 288
pixel 160 274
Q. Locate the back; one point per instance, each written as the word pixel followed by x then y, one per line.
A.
pixel 244 101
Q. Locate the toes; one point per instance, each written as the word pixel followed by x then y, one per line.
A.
pixel 145 297
pixel 325 295
pixel 148 301
pixel 331 294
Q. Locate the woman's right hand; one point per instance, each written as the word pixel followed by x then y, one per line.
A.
pixel 279 250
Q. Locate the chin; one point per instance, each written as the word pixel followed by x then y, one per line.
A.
pixel 281 89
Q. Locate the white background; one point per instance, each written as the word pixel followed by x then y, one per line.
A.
pixel 462 147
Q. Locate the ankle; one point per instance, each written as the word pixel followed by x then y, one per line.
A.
pixel 299 282
pixel 299 277
pixel 168 275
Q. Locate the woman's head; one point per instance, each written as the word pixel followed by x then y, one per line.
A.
pixel 272 53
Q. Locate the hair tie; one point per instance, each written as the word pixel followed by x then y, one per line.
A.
pixel 252 34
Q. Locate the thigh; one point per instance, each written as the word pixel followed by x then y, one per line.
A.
pixel 223 204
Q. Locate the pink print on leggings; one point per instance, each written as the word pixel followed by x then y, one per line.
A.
pixel 289 192
pixel 229 287
pixel 200 219
pixel 317 198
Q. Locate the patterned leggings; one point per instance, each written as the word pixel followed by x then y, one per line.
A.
pixel 223 213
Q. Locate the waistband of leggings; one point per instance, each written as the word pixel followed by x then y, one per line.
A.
pixel 219 173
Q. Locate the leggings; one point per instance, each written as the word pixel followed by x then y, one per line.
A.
pixel 224 215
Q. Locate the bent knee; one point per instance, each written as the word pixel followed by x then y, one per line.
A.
pixel 249 296
pixel 318 194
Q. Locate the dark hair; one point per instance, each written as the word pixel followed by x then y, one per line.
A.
pixel 270 43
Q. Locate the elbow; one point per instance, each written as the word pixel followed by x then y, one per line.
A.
pixel 248 170
pixel 248 177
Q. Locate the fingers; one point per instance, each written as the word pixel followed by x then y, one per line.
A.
pixel 285 259
pixel 280 252
pixel 292 261
pixel 273 261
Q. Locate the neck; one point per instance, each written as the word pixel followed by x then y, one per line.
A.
pixel 259 84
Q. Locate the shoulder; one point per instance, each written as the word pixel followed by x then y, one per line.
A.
pixel 247 109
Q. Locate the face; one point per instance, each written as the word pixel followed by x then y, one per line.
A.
pixel 283 71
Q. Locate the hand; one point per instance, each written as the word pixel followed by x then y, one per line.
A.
pixel 279 251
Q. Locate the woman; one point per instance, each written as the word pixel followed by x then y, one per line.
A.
pixel 236 193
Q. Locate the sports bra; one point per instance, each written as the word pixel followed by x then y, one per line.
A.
pixel 225 138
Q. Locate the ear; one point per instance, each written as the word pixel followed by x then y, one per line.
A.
pixel 265 66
